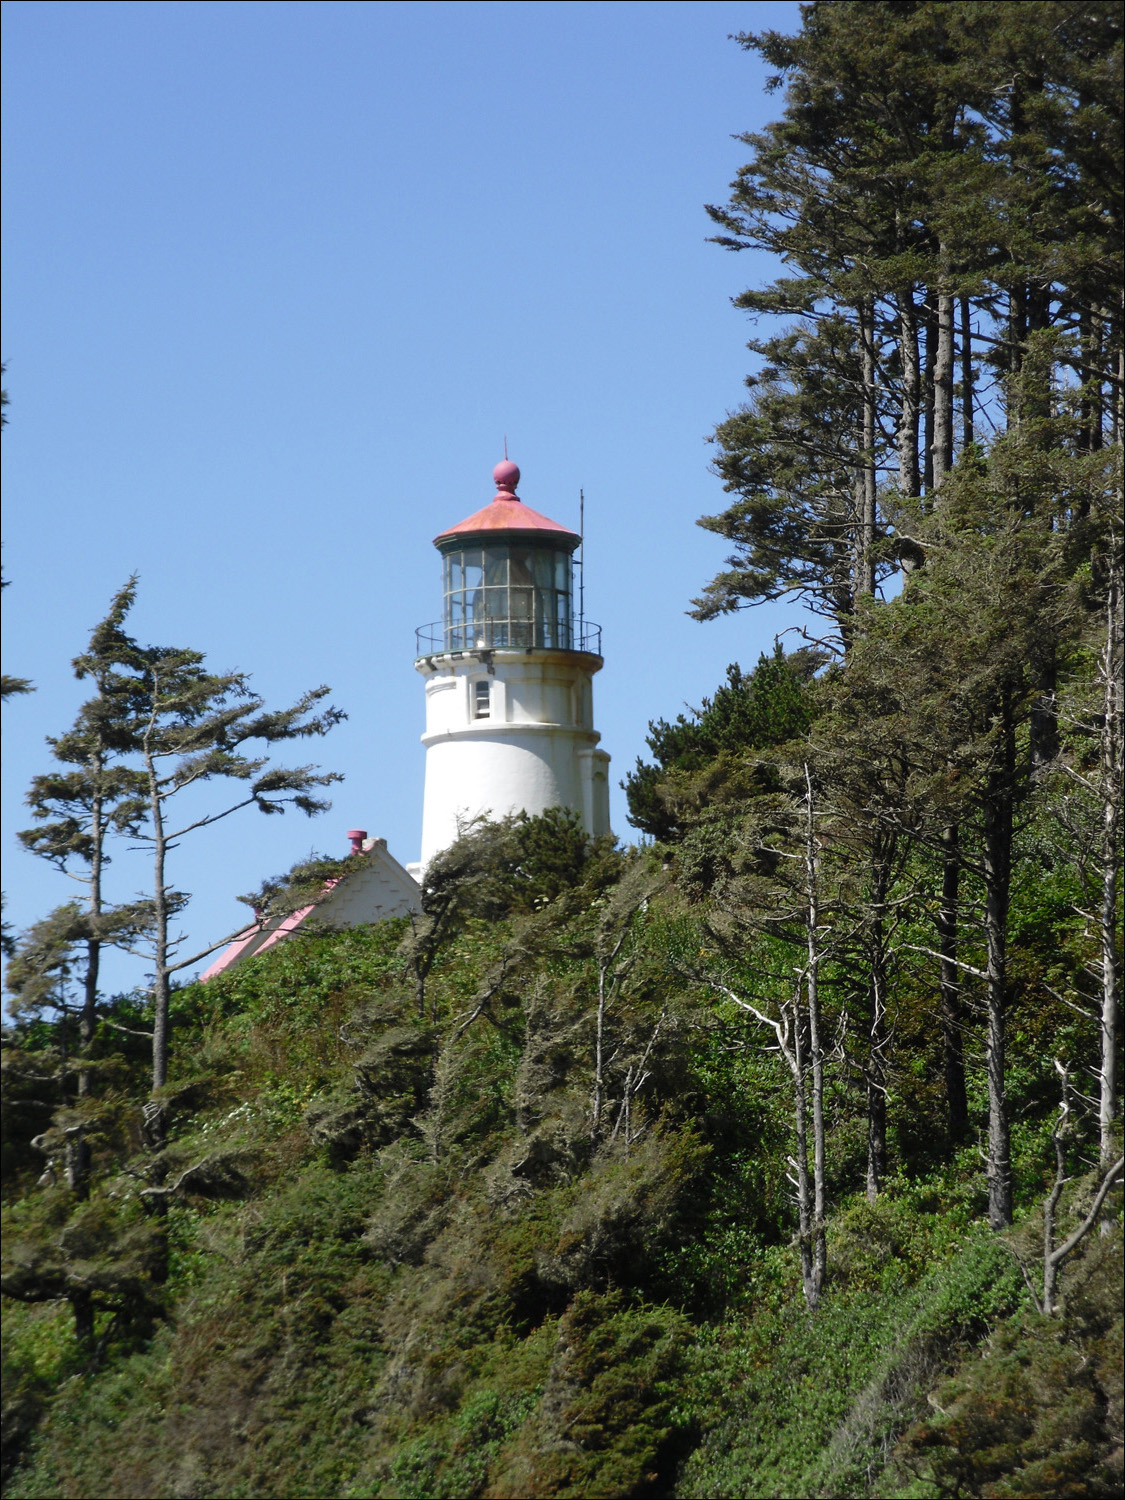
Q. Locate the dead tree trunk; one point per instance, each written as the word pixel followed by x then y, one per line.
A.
pixel 876 1068
pixel 1054 1255
pixel 997 863
pixel 1112 671
pixel 812 990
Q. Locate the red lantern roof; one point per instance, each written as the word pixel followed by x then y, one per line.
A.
pixel 507 512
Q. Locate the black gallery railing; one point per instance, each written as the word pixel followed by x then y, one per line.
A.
pixel 439 639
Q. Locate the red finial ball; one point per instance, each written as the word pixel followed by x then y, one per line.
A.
pixel 506 476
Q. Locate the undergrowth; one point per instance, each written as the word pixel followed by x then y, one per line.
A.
pixel 402 1261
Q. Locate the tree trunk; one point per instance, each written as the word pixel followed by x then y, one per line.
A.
pixel 877 1075
pixel 1117 389
pixel 968 427
pixel 82 1306
pixel 162 987
pixel 997 860
pixel 812 985
pixel 805 1215
pixel 1090 345
pixel 865 479
pixel 1113 670
pixel 956 1097
pixel 908 477
pixel 943 382
pixel 162 982
pixel 88 1021
pixel 1017 337
pixel 876 1068
pixel 930 327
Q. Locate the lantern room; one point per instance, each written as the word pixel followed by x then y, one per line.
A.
pixel 506 595
pixel 507 580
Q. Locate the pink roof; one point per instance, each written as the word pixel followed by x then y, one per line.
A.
pixel 507 512
pixel 230 954
pixel 291 923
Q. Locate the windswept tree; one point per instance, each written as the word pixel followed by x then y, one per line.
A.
pixel 197 729
pixel 751 711
pixel 943 189
pixel 158 733
pixel 960 659
pixel 90 797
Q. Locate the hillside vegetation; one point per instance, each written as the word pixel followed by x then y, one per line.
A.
pixel 778 1155
pixel 400 1242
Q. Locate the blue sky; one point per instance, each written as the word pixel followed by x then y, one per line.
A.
pixel 279 280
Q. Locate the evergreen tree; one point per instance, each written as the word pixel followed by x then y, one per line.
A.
pixel 940 174
pixel 159 725
pixel 750 711
pixel 195 727
pixel 93 796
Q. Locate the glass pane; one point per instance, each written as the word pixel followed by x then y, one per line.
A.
pixel 562 571
pixel 521 604
pixel 496 566
pixel 451 568
pixel 456 607
pixel 545 569
pixel 521 633
pixel 521 559
pixel 493 604
pixel 472 568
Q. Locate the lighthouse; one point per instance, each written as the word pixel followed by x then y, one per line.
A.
pixel 509 676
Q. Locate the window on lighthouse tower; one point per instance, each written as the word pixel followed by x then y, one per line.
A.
pixel 482 699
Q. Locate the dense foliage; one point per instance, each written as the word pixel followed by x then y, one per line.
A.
pixel 403 1253
pixel 778 1156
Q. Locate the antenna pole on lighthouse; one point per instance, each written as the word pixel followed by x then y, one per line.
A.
pixel 582 570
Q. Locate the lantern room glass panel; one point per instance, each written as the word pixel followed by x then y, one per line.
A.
pixel 507 596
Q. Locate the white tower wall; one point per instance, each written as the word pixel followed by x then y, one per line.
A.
pixel 536 748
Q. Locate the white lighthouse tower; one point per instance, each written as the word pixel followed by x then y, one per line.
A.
pixel 509 676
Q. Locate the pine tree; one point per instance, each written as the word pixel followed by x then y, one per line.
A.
pixel 195 727
pixel 750 711
pixel 943 186
pixel 94 795
pixel 159 724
